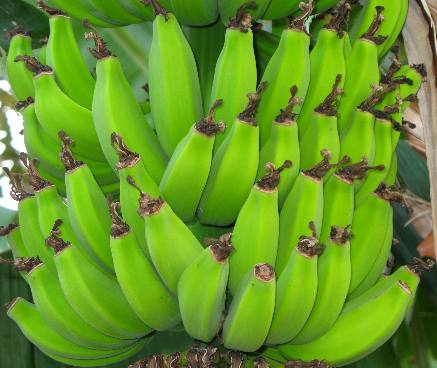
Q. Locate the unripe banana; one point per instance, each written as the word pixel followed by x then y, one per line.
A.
pixel 279 8
pixel 362 71
pixel 327 62
pixel 112 11
pixel 19 76
pixel 334 275
pixel 296 292
pixel 283 145
pixel 70 69
pixel 289 66
pixel 251 311
pixel 135 273
pixel 115 109
pixel 256 232
pixel 14 239
pixel 322 132
pixel 93 293
pixel 195 12
pixel 188 169
pixel 202 289
pixel 33 326
pixel 233 169
pixel 235 74
pixel 304 205
pixel 175 95
pixel 172 246
pixel 228 9
pixel 358 331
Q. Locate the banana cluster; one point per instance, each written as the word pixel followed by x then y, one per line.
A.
pixel 251 209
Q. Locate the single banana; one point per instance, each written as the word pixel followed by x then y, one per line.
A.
pixel 256 232
pixel 157 307
pixel 202 289
pixel 131 165
pixel 296 291
pixel 282 145
pixel 188 169
pixel 250 314
pixel 228 9
pixel 334 275
pixel 36 330
pixel 115 109
pixel 289 66
pixel 54 308
pixel 68 64
pixel 233 169
pixel 175 95
pixel 12 232
pixel 359 331
pixel 93 293
pixel 235 74
pixel 86 205
pixel 327 62
pixel 362 71
pixel 196 12
pixel 19 76
pixel 304 205
pixel 322 132
pixel 172 246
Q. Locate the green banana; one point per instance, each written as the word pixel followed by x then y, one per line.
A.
pixel 304 205
pixel 233 169
pixel 175 95
pixel 256 232
pixel 33 326
pixel 334 275
pixel 296 291
pixel 188 169
pixel 86 205
pixel 289 66
pixel 202 289
pixel 228 9
pixel 279 9
pixel 112 11
pixel 235 74
pixel 251 311
pixel 61 317
pixel 93 293
pixel 136 274
pixel 196 12
pixel 362 71
pixel 12 232
pixel 322 132
pixel 68 64
pixel 115 109
pixel 359 331
pixel 131 165
pixel 19 76
pixel 172 246
pixel 327 61
pixel 265 45
pixel 283 145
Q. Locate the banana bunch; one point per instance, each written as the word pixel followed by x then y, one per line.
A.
pixel 250 208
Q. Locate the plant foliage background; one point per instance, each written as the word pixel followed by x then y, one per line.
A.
pixel 413 346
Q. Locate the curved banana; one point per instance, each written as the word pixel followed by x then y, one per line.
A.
pixel 235 74
pixel 251 311
pixel 233 169
pixel 362 71
pixel 172 246
pixel 68 64
pixel 157 307
pixel 175 95
pixel 20 78
pixel 304 205
pixel 202 303
pixel 115 109
pixel 188 169
pixel 359 331
pixel 296 291
pixel 282 145
pixel 289 66
pixel 322 132
pixel 228 9
pixel 255 237
pixel 93 293
pixel 334 276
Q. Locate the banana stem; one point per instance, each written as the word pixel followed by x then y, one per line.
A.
pixel 100 50
pixel 41 5
pixel 22 264
pixel 158 9
pixel 208 126
pixel 118 226
pixel 221 248
pixel 17 30
pixel 54 240
pixel 298 23
pixel 6 230
pixel 243 19
pixel 374 28
pixel 67 157
pixel 248 115
pixel 33 64
pixel 288 113
pixel 127 158
pixel 340 235
pixel 357 171
pixel 310 245
pixel 271 180
pixel 342 18
pixel 322 168
pixel 18 193
pixel 148 206
pixel 35 179
pixel 330 105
